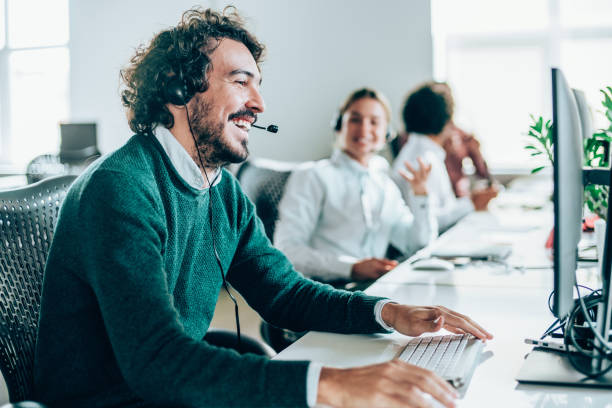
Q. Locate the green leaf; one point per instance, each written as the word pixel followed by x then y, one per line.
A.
pixel 537 169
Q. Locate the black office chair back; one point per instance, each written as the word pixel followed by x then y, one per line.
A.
pixel 263 181
pixel 27 219
pixel 229 339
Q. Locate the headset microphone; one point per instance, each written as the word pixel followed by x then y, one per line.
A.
pixel 271 128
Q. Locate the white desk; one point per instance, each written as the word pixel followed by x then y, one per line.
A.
pixel 509 303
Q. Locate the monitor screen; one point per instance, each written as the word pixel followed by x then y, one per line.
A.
pixel 586 122
pixel 568 191
pixel 78 140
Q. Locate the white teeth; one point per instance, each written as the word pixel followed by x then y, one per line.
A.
pixel 243 124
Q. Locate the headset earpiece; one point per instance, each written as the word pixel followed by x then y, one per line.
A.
pixel 336 122
pixel 176 91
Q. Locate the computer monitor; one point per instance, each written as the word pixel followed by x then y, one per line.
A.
pixel 567 193
pixel 547 367
pixel 586 122
pixel 78 141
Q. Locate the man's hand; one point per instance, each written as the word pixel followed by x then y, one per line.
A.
pixel 481 198
pixel 391 384
pixel 416 320
pixel 417 178
pixel 371 268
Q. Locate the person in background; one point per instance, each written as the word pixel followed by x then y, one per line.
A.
pixel 149 235
pixel 428 121
pixel 338 217
pixel 459 146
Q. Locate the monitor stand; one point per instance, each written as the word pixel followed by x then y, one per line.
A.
pixel 551 367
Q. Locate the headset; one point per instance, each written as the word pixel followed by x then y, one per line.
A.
pixel 336 124
pixel 177 92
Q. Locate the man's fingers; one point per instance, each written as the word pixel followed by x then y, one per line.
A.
pixel 465 323
pixel 430 383
pixel 453 329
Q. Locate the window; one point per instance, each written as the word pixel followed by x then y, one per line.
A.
pixel 34 69
pixel 496 56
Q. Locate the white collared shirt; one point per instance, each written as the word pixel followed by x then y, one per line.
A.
pixel 445 205
pixel 338 212
pixel 182 161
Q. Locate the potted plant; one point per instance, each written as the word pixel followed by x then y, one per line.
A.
pixel 540 145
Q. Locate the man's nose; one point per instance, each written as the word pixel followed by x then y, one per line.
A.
pixel 256 102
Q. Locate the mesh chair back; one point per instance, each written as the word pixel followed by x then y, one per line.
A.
pixel 263 181
pixel 27 219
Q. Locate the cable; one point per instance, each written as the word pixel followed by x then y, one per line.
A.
pixel 210 222
pixel 586 305
pixel 590 322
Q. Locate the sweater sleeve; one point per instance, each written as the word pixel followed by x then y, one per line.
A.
pixel 124 239
pixel 284 297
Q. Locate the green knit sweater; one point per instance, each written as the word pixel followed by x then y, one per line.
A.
pixel 131 284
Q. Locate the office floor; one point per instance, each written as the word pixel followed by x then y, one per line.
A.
pixel 223 319
pixel 224 315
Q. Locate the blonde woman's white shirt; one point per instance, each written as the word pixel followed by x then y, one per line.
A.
pixel 338 212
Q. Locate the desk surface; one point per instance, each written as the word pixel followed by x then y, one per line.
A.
pixel 511 303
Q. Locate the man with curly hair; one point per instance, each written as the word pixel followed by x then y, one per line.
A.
pixel 428 119
pixel 148 235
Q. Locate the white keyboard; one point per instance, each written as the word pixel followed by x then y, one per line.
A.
pixel 452 357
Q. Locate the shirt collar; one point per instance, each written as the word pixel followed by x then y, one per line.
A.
pixel 340 158
pixel 430 145
pixel 182 161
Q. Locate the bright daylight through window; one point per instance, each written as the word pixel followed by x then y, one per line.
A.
pixel 497 58
pixel 34 69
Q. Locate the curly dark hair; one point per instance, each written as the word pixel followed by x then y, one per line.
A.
pixel 182 50
pixel 428 108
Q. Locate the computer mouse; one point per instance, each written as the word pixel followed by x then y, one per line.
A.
pixel 433 264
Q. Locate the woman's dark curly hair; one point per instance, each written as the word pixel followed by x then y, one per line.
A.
pixel 184 49
pixel 428 109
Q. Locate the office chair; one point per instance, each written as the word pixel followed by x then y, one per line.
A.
pixel 263 181
pixel 27 219
pixel 229 339
pixel 78 149
pixel 44 166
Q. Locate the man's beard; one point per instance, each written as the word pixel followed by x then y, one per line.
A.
pixel 213 146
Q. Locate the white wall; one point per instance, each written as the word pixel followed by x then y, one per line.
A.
pixel 317 52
